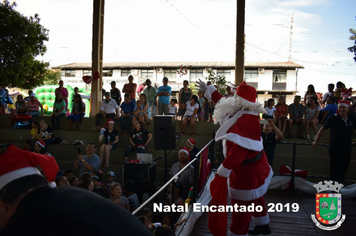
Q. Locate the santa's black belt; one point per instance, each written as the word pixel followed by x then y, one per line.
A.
pixel 253 159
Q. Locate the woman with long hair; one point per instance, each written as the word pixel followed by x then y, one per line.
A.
pixel 40 148
pixel 59 110
pixel 192 108
pixel 78 111
pixel 281 113
pixel 141 112
pixel 310 93
pixel 111 137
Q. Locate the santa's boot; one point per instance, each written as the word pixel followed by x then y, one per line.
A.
pixel 260 229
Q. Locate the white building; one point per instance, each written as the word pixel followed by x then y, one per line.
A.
pixel 269 78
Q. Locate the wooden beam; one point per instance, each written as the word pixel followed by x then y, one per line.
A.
pixel 240 42
pixel 97 55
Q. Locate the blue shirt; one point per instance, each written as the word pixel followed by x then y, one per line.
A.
pixel 128 107
pixel 163 89
pixel 331 108
pixel 94 161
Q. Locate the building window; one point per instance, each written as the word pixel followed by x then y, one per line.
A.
pixel 147 74
pixel 224 73
pixel 171 75
pixel 251 76
pixel 67 73
pixel 107 73
pixel 279 76
pixel 86 72
pixel 195 75
pixel 125 73
pixel 279 80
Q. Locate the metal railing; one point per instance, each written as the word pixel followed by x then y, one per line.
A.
pixel 196 172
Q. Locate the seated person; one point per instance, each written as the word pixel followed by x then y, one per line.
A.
pixel 34 130
pixel 270 108
pixel 129 190
pixel 89 162
pixel 45 133
pixel 190 115
pixel 116 196
pixel 111 137
pixel 59 110
pixel 311 116
pixel 33 106
pixel 40 148
pixel 187 177
pixel 139 139
pixel 20 106
pixel 127 109
pixel 108 109
pixel 281 114
pixel 141 110
pixel 78 111
pixel 296 114
pixel 329 110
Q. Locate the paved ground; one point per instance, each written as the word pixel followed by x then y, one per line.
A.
pixel 295 223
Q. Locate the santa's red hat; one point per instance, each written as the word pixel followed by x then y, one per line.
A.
pixel 41 143
pixel 185 150
pixel 191 141
pixel 344 103
pixel 244 99
pixel 16 163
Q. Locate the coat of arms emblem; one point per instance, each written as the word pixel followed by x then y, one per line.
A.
pixel 328 205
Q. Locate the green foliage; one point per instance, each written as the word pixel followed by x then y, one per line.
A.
pixel 353 37
pixel 21 40
pixel 218 80
pixel 193 88
pixel 52 76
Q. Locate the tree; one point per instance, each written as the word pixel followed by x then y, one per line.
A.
pixel 21 40
pixel 218 80
pixel 353 37
pixel 52 76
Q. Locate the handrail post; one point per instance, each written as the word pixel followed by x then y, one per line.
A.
pixel 293 164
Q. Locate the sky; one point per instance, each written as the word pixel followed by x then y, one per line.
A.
pixel 205 30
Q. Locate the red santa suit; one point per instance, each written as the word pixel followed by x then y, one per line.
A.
pixel 245 172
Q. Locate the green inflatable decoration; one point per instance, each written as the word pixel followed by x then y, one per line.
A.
pixel 46 96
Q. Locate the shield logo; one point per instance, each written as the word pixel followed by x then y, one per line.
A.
pixel 328 208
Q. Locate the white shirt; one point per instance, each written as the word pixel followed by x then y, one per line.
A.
pixel 109 107
pixel 190 109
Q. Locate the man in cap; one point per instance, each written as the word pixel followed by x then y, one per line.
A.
pixel 29 206
pixel 245 161
pixel 341 127
pixel 187 177
pixel 164 92
pixel 108 109
pixel 115 93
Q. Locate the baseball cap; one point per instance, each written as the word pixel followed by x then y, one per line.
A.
pixel 94 177
pixel 111 173
pixel 165 79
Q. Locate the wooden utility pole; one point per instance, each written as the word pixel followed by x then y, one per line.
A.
pixel 240 44
pixel 97 55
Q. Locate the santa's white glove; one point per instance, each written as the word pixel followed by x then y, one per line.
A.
pixel 207 90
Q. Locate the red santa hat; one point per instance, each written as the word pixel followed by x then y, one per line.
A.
pixel 185 150
pixel 16 163
pixel 41 143
pixel 344 103
pixel 245 98
pixel 191 141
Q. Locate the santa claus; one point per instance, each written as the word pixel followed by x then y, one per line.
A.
pixel 245 172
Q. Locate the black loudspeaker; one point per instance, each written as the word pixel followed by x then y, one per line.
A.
pixel 139 172
pixel 164 133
